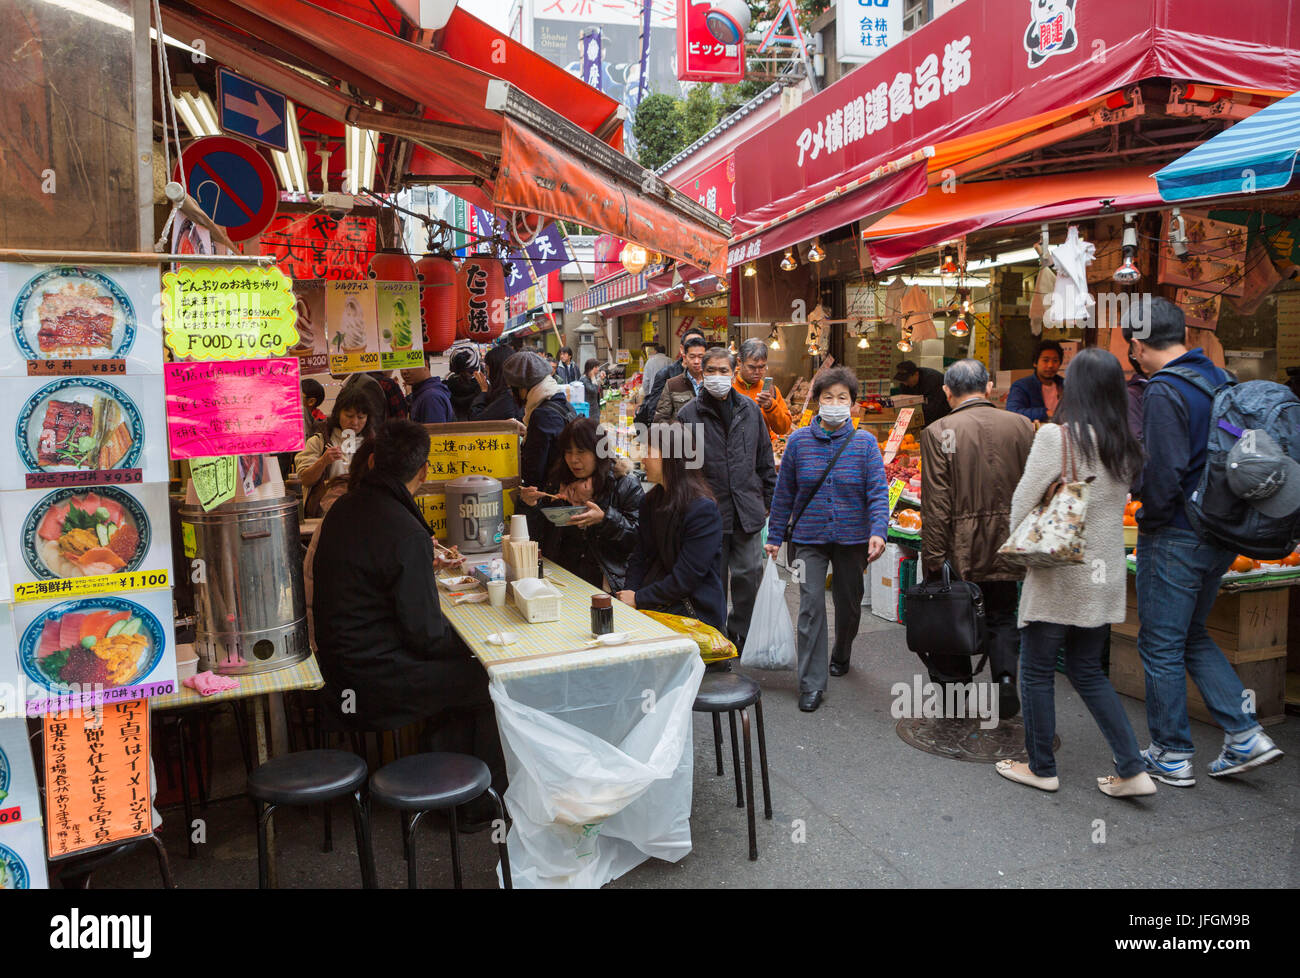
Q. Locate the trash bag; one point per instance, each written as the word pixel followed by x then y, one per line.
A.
pixel 586 810
pixel 770 643
pixel 714 646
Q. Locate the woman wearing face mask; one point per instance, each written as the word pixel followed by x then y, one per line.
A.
pixel 594 544
pixel 324 462
pixel 674 567
pixel 832 484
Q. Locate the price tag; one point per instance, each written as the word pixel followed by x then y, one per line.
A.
pixel 895 493
pixel 351 363
pixel 73 587
pixel 99 368
pixel 84 477
pixel 897 432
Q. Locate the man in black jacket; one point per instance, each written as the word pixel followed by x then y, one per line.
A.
pixel 740 469
pixel 927 383
pixel 566 371
pixel 386 655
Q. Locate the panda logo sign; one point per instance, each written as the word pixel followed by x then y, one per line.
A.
pixel 1051 30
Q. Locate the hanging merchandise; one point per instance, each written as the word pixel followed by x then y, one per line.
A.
pixel 893 307
pixel 819 334
pixel 1070 305
pixel 437 301
pixel 1044 284
pixel 917 313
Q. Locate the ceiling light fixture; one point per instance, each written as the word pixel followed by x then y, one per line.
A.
pixel 750 270
pixel 948 266
pixel 815 252
pixel 1128 273
pixel 788 263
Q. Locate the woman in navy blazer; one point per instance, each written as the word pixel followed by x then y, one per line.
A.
pixel 675 565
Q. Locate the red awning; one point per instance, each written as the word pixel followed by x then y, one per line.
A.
pixel 985 65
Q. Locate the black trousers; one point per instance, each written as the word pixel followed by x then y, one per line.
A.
pixel 1001 638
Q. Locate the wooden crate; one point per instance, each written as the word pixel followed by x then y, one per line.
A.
pixel 1266 677
pixel 1250 626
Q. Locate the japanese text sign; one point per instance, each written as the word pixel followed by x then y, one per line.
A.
pixel 228 313
pixel 97 778
pixel 700 55
pixel 214 480
pixel 865 28
pixel 244 407
pixel 317 246
pixel 897 432
pixel 481 453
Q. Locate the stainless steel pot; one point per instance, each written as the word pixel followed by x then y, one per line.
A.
pixel 250 609
pixel 475 515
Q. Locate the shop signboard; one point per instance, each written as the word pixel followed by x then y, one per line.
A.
pixel 715 188
pixel 227 313
pixel 866 28
pixel 352 325
pixel 317 246
pixel 700 55
pixel 97 778
pixel 605 253
pixel 244 407
pixel 67 319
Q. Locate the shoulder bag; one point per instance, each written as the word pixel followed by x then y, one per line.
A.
pixel 789 527
pixel 1052 534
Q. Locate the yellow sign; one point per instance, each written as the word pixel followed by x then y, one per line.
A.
pixel 214 480
pixel 434 509
pixel 451 456
pixel 76 587
pixel 228 313
pixel 351 363
pixel 188 540
pixel 895 491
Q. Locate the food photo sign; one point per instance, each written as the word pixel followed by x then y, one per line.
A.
pixel 68 319
pixel 18 795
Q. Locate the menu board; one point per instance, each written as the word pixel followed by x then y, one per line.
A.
pixel 18 796
pixel 400 340
pixel 312 350
pixel 22 856
pixel 239 407
pixel 66 319
pixel 82 431
pixel 77 652
pixel 228 313
pixel 352 323
pixel 95 540
pixel 97 778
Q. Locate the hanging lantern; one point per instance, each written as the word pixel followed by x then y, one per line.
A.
pixel 788 263
pixel 634 258
pixel 392 265
pixel 437 276
pixel 480 299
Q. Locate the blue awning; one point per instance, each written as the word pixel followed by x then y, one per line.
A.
pixel 1256 154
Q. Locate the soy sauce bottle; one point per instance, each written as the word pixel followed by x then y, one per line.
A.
pixel 602 614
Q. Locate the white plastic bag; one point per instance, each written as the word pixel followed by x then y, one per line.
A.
pixel 770 643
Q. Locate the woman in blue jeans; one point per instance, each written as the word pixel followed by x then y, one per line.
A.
pixel 1074 605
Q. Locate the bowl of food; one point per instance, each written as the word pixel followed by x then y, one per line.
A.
pixel 102 641
pixel 78 424
pixel 562 515
pixel 76 532
pixel 72 312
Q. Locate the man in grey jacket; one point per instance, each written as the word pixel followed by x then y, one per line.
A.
pixel 740 469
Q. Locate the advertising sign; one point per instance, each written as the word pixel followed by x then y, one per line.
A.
pixel 700 55
pixel 245 407
pixel 352 322
pixel 865 28
pixel 228 313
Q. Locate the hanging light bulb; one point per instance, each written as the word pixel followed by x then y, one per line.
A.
pixel 732 347
pixel 722 285
pixel 1128 273
pixel 863 344
pixel 960 327
pixel 949 267
pixel 689 293
pixel 788 263
pixel 1177 234
pixel 774 340
pixel 815 252
pixel 905 345
pixel 750 270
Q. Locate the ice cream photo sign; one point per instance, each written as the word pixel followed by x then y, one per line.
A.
pixel 229 313
pixel 352 322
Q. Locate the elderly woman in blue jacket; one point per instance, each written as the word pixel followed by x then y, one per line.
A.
pixel 839 524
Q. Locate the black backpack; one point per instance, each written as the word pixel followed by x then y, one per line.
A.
pixel 1217 515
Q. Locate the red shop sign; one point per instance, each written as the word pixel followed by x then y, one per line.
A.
pixel 316 246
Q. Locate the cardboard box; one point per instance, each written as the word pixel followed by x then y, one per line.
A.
pixel 1005 378
pixel 886 582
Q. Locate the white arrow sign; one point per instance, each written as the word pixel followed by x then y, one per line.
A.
pixel 260 110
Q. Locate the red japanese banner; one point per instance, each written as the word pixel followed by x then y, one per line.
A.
pixel 317 246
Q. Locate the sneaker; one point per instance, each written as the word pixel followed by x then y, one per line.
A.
pixel 1238 757
pixel 1175 772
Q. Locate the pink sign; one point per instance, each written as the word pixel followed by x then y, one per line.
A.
pixel 242 407
pixel 607 249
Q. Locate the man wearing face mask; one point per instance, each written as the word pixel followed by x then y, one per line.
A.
pixel 739 468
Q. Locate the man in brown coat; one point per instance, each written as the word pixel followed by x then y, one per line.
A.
pixel 686 386
pixel 971 462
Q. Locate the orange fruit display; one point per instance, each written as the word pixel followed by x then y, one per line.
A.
pixel 1242 564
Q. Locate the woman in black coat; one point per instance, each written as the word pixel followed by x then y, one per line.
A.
pixel 497 403
pixel 675 565
pixel 591 387
pixel 595 544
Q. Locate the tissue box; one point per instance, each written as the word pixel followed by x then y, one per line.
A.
pixel 536 600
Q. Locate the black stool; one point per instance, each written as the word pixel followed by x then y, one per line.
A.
pixel 311 777
pixel 732 693
pixel 423 783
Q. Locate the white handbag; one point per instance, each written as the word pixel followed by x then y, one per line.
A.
pixel 1052 534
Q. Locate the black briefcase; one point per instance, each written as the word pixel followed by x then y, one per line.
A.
pixel 945 616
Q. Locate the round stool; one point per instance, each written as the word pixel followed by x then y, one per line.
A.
pixel 732 693
pixel 311 777
pixel 434 782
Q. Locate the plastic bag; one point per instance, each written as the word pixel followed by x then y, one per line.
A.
pixel 770 643
pixel 714 646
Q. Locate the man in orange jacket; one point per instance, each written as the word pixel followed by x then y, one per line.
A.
pixel 751 372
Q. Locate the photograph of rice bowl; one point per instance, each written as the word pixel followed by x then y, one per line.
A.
pixel 85 643
pixel 76 532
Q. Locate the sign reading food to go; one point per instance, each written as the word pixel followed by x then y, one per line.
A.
pixel 69 319
pixel 352 322
pixel 401 342
pixel 228 313
pixel 243 407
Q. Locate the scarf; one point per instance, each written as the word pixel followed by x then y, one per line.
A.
pixel 547 389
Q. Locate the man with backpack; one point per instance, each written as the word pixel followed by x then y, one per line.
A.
pixel 1194 415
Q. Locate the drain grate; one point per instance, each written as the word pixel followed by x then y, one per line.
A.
pixel 963 740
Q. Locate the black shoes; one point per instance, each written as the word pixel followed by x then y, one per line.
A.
pixel 839 669
pixel 1008 698
pixel 808 702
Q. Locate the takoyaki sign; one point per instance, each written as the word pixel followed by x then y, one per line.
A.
pixel 228 313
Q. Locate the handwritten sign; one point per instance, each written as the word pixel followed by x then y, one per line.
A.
pixel 247 407
pixel 897 432
pixel 97 778
pixel 228 313
pixel 895 493
pixel 214 480
pixel 489 452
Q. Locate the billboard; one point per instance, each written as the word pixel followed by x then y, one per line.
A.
pixel 700 55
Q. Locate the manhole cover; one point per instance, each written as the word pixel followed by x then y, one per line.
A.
pixel 963 740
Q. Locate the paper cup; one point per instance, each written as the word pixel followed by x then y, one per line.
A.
pixel 519 528
pixel 496 593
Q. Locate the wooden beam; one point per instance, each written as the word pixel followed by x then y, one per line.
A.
pixel 472 138
pixel 484 169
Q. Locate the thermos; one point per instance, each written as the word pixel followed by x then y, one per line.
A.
pixel 475 514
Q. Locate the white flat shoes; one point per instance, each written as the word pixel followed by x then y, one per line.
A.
pixel 1019 772
pixel 1139 784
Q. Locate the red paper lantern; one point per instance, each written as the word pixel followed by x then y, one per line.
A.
pixel 481 307
pixel 392 265
pixel 438 291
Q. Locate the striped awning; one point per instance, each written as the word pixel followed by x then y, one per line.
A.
pixel 1256 154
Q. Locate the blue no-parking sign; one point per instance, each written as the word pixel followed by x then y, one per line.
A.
pixel 253 111
pixel 233 184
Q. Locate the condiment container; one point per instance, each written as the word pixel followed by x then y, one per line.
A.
pixel 602 614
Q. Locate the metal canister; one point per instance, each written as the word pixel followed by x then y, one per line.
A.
pixel 475 514
pixel 250 607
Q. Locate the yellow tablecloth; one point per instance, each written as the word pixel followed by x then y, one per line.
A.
pixel 301 675
pixel 559 645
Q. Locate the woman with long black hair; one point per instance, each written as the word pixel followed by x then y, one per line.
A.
pixel 497 403
pixel 1074 605
pixel 675 565
pixel 326 458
